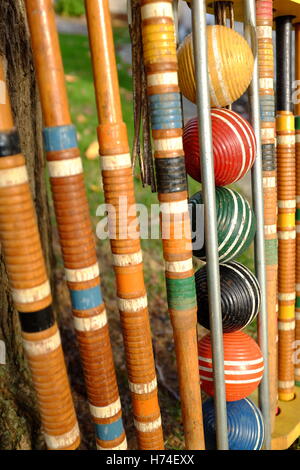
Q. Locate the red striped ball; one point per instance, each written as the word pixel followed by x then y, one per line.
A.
pixel 234 147
pixel 243 365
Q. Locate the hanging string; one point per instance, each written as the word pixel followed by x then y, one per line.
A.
pixel 142 146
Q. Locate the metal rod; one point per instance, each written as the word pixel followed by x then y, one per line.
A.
pixel 257 195
pixel 211 238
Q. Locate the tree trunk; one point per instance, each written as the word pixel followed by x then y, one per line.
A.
pixel 19 417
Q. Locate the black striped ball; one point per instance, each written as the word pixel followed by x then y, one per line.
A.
pixel 240 296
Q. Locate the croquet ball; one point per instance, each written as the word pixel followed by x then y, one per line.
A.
pixel 243 365
pixel 234 147
pixel 236 224
pixel 244 423
pixel 230 66
pixel 240 296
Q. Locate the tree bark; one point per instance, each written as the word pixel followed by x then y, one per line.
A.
pixel 19 417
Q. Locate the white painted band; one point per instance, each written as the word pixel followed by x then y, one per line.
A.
pixel 264 32
pixel 266 83
pixel 91 323
pixel 147 427
pixel 288 204
pixel 269 182
pixel 43 346
pixel 13 176
pixel 132 259
pixel 286 384
pixel 288 235
pixel 179 266
pixel 286 326
pixel 173 143
pixel 82 275
pixel 162 78
pixel 289 139
pixel 34 294
pixel 64 168
pixel 142 389
pixel 133 305
pixel 64 440
pixel 287 297
pixel 156 10
pixel 270 229
pixel 116 162
pixel 105 411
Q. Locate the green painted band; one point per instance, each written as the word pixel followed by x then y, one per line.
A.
pixel 181 293
pixel 297 302
pixel 297 383
pixel 297 123
pixel 271 248
pixel 297 214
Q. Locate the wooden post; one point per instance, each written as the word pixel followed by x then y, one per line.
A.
pixel 125 243
pixel 30 287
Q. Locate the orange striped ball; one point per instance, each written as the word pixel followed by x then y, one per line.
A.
pixel 243 365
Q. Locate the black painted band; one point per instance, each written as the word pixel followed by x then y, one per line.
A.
pixel 33 322
pixel 171 174
pixel 9 143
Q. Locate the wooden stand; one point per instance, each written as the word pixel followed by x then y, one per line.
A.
pixel 287 422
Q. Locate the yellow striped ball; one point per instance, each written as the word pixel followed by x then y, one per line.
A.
pixel 230 66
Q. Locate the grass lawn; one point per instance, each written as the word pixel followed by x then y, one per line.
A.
pixel 77 63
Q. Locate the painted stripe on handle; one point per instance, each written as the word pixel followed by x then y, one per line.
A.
pixel 115 162
pixel 92 323
pixel 132 305
pixel 59 138
pixel 86 298
pixel 179 266
pixel 174 143
pixel 27 296
pixel 106 411
pixel 43 346
pixel 109 431
pixel 147 427
pixel 162 78
pixel 64 440
pixel 286 326
pixel 64 168
pixel 13 176
pixel 141 389
pixel 82 275
pixel 156 10
pixel 289 204
pixel 128 260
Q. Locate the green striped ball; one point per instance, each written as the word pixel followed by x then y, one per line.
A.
pixel 236 224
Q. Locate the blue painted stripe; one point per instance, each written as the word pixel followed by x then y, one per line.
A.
pixel 159 98
pixel 59 138
pixel 108 432
pixel 165 105
pixel 86 298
